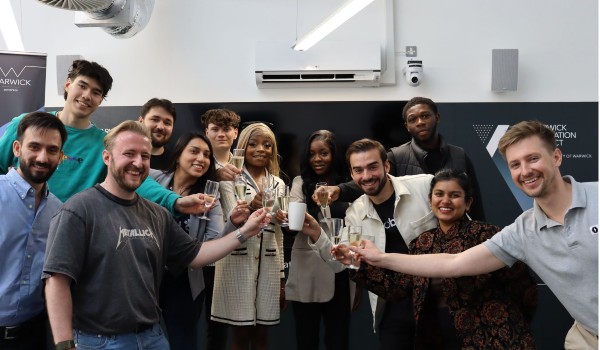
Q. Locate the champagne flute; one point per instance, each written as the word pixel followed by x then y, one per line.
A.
pixel 268 201
pixel 238 158
pixel 354 238
pixel 267 182
pixel 283 199
pixel 240 187
pixel 211 189
pixel 333 228
pixel 323 197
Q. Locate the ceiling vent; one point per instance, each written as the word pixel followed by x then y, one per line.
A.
pixel 120 18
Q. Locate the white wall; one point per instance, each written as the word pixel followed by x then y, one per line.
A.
pixel 203 51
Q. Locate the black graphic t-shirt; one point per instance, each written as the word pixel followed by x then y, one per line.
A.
pixel 110 247
pixel 394 243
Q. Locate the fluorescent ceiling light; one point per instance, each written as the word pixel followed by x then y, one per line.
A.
pixel 8 27
pixel 336 19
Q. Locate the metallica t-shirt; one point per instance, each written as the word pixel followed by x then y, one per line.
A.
pixel 115 251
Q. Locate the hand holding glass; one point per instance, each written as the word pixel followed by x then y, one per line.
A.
pixel 211 189
pixel 322 196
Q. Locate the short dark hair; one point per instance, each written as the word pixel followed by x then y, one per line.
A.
pixel 452 174
pixel 41 120
pixel 365 145
pixel 419 101
pixel 159 102
pixel 92 70
pixel 524 130
pixel 221 117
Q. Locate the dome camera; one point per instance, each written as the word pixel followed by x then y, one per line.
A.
pixel 413 72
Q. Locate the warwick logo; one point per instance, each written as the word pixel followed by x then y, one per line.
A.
pixel 126 234
pixel 15 78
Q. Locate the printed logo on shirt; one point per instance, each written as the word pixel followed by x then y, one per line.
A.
pixel 594 230
pixel 390 222
pixel 125 234
pixel 71 159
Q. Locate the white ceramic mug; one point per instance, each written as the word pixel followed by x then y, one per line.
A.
pixel 296 213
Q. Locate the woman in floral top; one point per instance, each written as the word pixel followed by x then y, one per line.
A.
pixel 490 311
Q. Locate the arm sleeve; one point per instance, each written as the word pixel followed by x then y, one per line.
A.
pixel 228 201
pixel 296 194
pixel 153 191
pixel 349 191
pixel 506 246
pixel 7 158
pixel 323 247
pixel 388 284
pixel 67 245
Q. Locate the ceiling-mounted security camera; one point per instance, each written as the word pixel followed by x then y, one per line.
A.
pixel 413 72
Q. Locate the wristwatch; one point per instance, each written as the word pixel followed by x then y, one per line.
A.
pixel 240 237
pixel 65 345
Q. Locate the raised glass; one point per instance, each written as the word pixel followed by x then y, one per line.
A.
pixel 283 200
pixel 211 190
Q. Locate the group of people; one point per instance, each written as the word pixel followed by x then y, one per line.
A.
pixel 87 246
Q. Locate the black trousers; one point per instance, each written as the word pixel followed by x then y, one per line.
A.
pixel 397 326
pixel 180 312
pixel 335 314
pixel 32 338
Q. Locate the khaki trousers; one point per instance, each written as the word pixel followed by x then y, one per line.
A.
pixel 579 338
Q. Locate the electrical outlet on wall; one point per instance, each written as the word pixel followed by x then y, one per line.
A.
pixel 411 51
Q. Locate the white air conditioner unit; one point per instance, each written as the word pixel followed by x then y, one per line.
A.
pixel 327 64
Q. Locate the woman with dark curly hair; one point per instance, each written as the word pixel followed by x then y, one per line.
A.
pixel 489 311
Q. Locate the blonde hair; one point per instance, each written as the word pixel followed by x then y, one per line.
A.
pixel 524 130
pixel 261 129
pixel 128 125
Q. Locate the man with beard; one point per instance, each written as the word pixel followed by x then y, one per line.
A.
pixel 557 238
pixel 107 250
pixel 395 211
pixel 426 153
pixel 27 208
pixel 159 116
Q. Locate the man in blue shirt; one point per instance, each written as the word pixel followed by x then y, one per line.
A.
pixel 27 207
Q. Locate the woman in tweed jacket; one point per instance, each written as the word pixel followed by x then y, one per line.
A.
pixel 249 281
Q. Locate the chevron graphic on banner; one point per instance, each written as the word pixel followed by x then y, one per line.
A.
pixel 489 136
pixel 5 74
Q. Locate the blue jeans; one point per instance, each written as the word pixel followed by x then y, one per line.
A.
pixel 150 339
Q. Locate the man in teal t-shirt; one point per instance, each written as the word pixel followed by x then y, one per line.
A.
pixel 82 167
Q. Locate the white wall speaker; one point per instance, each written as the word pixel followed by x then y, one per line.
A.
pixel 505 69
pixel 63 63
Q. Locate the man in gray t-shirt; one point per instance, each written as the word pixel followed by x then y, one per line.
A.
pixel 107 249
pixel 557 238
